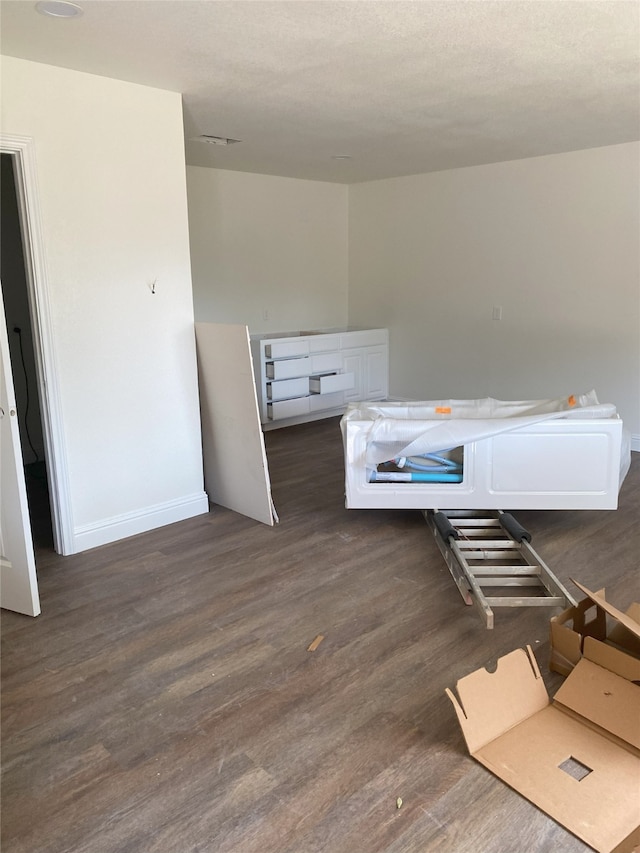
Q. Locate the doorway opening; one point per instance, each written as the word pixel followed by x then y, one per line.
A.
pixel 15 293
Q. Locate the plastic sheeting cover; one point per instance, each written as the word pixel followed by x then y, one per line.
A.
pixel 412 429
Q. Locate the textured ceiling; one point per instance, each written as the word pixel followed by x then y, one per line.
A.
pixel 401 87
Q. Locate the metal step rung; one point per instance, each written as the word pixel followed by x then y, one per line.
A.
pixel 486 554
pixel 478 532
pixel 541 601
pixel 512 581
pixel 506 571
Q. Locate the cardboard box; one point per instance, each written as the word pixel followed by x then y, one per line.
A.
pixel 576 758
pixel 588 618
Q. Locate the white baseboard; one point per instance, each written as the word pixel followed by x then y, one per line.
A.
pixel 130 523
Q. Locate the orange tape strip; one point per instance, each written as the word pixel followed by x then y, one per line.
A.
pixel 443 410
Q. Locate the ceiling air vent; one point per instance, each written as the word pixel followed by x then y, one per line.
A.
pixel 215 140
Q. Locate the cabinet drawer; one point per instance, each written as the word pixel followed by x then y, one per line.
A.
pixel 289 368
pixel 286 388
pixel 326 362
pixel 323 343
pixel 288 408
pixel 330 383
pixel 286 349
pixel 319 402
pixel 364 338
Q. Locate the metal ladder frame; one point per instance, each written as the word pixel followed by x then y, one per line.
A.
pixel 501 556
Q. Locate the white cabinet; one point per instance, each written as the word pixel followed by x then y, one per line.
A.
pixel 308 375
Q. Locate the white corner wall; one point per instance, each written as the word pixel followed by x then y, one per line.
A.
pixel 553 241
pixel 266 251
pixel 112 189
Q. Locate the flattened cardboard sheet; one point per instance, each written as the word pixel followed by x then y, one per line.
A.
pixel 602 808
pixel 583 778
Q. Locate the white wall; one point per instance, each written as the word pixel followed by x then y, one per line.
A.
pixel 554 241
pixel 261 243
pixel 111 179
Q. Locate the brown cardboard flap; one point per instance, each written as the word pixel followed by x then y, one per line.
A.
pixel 603 698
pixel 631 844
pixel 622 637
pixel 623 618
pixel 613 659
pixel 588 618
pixel 568 630
pixel 491 703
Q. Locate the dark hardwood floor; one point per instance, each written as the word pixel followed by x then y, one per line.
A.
pixel 165 700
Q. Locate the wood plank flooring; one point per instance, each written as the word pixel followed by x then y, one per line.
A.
pixel 165 700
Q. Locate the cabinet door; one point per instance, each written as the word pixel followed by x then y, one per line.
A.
pixel 376 373
pixel 370 368
pixel 353 362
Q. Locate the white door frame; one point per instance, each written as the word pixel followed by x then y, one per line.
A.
pixel 22 149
